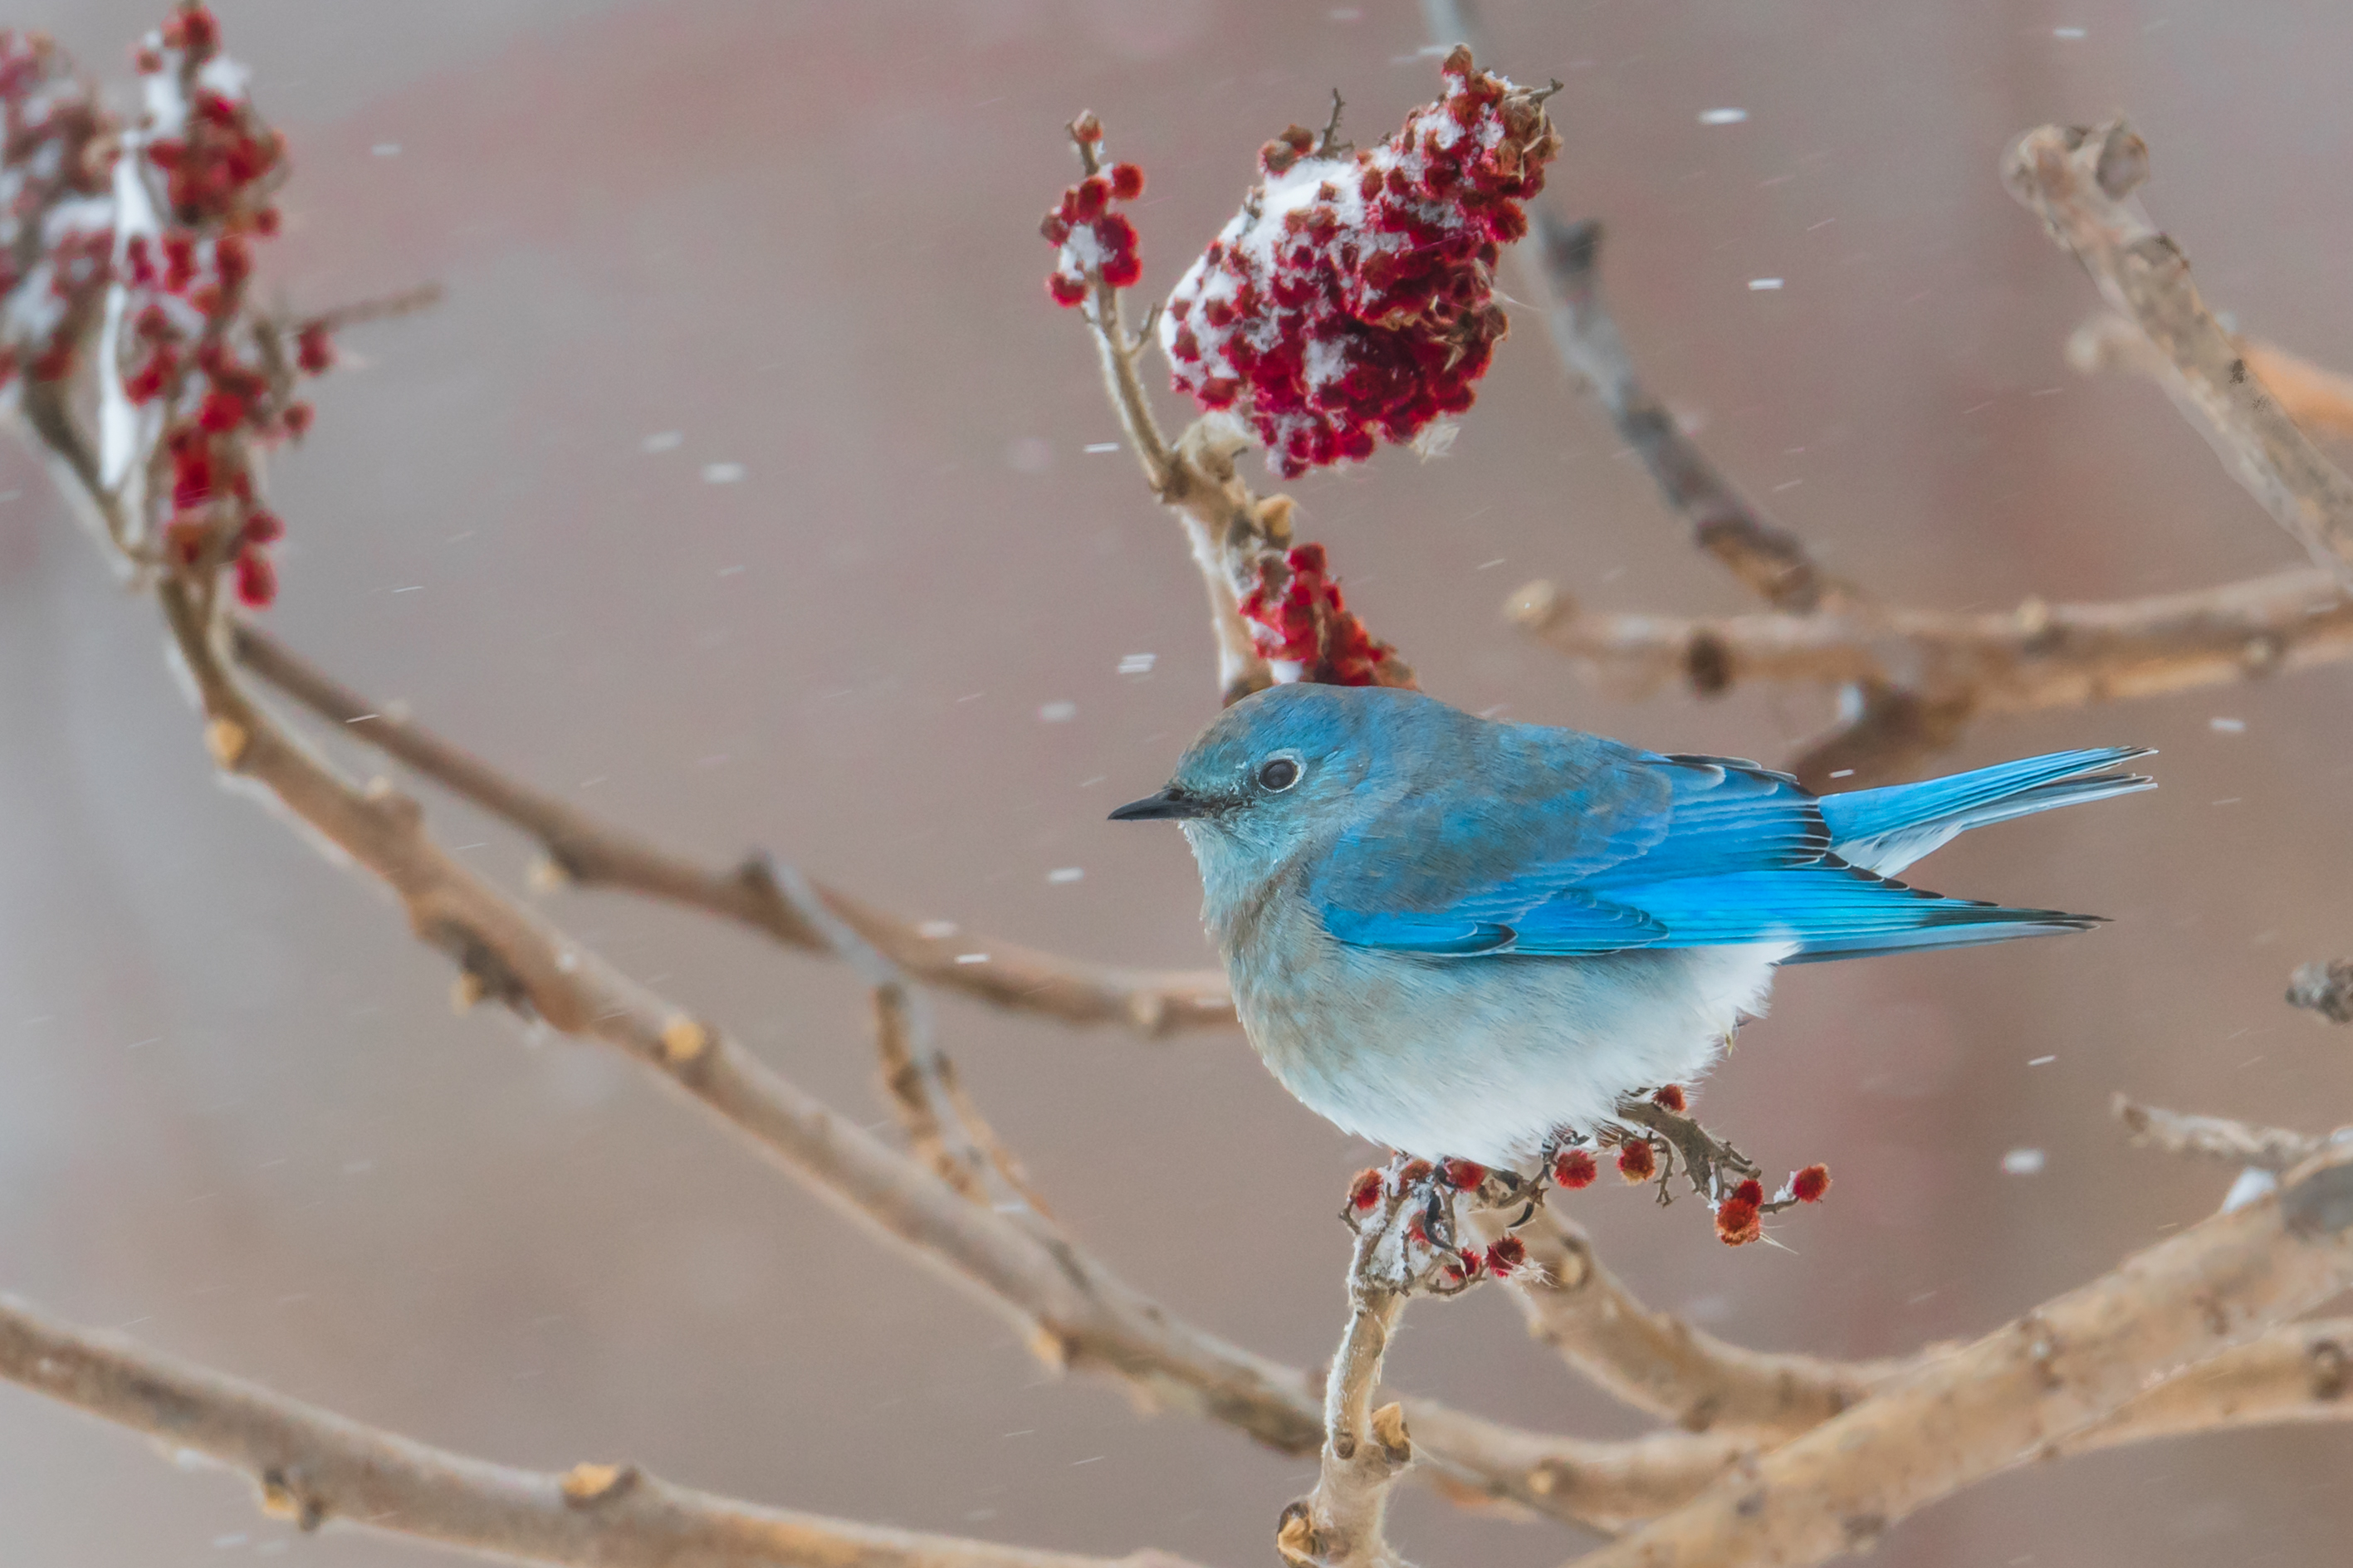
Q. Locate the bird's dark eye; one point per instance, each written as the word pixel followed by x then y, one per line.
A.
pixel 1277 775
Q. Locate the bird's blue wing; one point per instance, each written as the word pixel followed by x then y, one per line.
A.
pixel 1590 847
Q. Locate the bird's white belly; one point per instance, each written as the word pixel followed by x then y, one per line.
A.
pixel 1486 1058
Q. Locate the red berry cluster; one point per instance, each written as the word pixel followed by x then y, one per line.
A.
pixel 1092 241
pixel 1739 1218
pixel 57 221
pixel 1351 301
pixel 221 384
pixel 1306 630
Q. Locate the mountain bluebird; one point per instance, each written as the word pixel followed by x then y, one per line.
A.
pixel 1465 938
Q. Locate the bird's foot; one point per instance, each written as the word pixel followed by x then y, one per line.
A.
pixel 1420 1202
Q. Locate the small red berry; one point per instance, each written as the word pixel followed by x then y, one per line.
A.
pixel 1464 1175
pixel 1066 290
pixel 257 579
pixel 1127 182
pixel 1086 127
pixel 314 348
pixel 220 412
pixel 1669 1097
pixel 1415 1171
pixel 1751 1191
pixel 1574 1168
pixel 1365 1191
pixel 199 33
pixel 1809 1185
pixel 1506 1256
pixel 1738 1221
pixel 297 419
pixel 232 259
pixel 1636 1163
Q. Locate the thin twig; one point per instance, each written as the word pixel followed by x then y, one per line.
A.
pixel 1225 524
pixel 2080 182
pixel 313 1465
pixel 2040 1382
pixel 383 308
pixel 1768 559
pixel 2273 1149
pixel 585 851
pixel 942 1124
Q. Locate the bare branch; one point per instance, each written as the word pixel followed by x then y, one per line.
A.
pixel 942 1124
pixel 382 308
pixel 312 1466
pixel 2325 988
pixel 2079 182
pixel 2039 1382
pixel 1656 1362
pixel 2272 1149
pixel 597 854
pixel 1960 664
pixel 1338 1525
pixel 1770 560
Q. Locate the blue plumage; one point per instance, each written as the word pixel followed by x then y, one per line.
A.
pixel 1456 935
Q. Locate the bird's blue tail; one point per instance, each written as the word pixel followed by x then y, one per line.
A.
pixel 1884 830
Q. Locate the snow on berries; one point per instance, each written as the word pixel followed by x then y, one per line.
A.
pixel 130 246
pixel 1091 240
pixel 1352 300
pixel 1306 631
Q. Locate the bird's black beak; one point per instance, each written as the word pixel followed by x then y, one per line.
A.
pixel 1169 803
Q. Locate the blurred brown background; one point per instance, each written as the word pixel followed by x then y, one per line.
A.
pixel 237 1116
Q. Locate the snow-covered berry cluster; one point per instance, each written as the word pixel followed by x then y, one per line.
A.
pixel 194 199
pixel 1091 240
pixel 130 251
pixel 1352 300
pixel 57 221
pixel 1305 630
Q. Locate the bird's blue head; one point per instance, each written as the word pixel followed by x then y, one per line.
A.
pixel 1283 765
